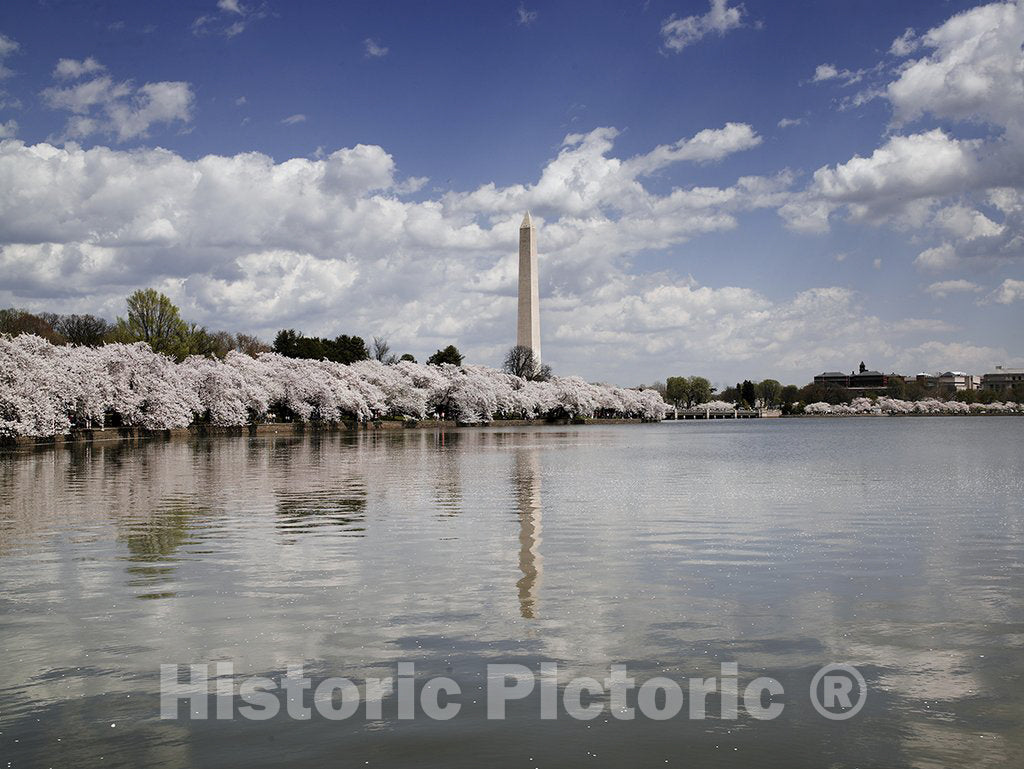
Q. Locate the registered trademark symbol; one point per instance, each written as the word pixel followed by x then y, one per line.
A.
pixel 838 691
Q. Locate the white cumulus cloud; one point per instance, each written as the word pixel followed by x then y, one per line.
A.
pixel 905 44
pixel 968 70
pixel 677 34
pixel 944 288
pixel 973 70
pixel 102 105
pixel 940 257
pixel 252 244
pixel 708 145
pixel 1010 291
pixel 72 69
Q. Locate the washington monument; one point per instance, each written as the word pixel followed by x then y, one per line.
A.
pixel 528 326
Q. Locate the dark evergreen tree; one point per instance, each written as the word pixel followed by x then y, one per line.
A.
pixel 449 354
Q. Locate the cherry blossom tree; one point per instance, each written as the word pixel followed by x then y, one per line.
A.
pixel 47 390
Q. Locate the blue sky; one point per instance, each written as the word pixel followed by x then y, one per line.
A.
pixel 746 190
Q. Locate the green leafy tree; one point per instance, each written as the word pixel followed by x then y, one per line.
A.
pixel 408 356
pixel 687 391
pixel 699 391
pixel 914 391
pixel 677 390
pixel 987 396
pixel 897 387
pixel 196 340
pixel 449 354
pixel 822 393
pixel 966 396
pixel 770 393
pixel 152 318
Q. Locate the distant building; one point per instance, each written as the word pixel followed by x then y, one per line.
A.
pixel 957 380
pixel 927 381
pixel 834 378
pixel 868 380
pixel 1002 378
pixel 861 380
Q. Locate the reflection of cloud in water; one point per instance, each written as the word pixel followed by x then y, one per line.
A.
pixel 933 675
pixel 939 746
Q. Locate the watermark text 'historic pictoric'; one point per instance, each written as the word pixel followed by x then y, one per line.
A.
pixel 837 692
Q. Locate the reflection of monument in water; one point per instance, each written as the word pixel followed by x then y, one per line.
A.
pixel 526 483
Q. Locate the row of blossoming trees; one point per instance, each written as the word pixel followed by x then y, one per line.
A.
pixel 886 405
pixel 47 390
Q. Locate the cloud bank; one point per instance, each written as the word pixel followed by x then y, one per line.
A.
pixel 336 244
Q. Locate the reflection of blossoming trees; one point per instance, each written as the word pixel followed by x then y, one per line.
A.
pixel 884 405
pixel 47 390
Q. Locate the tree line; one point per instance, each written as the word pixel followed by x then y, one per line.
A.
pixel 686 392
pixel 154 319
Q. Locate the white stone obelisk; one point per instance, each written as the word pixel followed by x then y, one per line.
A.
pixel 528 326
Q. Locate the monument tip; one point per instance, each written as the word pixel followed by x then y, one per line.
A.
pixel 527 221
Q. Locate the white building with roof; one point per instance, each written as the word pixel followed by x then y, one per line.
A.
pixel 958 380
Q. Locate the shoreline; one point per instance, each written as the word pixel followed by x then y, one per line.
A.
pixel 131 434
pixel 900 414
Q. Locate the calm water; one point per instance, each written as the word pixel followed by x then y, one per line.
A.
pixel 782 545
